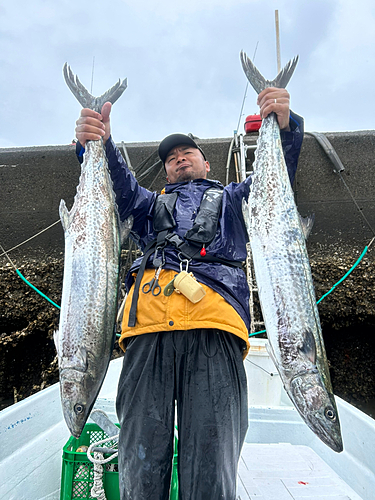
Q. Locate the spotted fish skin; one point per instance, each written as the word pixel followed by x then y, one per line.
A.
pixel 93 236
pixel 283 277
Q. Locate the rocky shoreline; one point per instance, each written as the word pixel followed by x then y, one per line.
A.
pixel 28 361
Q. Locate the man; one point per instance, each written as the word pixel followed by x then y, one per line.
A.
pixel 177 350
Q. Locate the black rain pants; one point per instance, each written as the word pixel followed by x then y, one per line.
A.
pixel 202 370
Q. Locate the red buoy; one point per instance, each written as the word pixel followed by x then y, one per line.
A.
pixel 252 123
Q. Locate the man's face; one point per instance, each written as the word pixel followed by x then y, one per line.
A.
pixel 185 163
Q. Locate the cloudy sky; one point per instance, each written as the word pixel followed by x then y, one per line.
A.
pixel 181 58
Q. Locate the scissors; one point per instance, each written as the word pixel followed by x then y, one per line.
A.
pixel 153 285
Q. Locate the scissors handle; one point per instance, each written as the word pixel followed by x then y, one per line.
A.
pixel 147 287
pixel 156 289
pixel 153 287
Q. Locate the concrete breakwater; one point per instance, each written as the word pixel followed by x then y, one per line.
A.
pixel 33 180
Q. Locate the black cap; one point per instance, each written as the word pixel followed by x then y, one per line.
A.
pixel 173 140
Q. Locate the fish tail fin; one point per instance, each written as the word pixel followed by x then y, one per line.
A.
pixel 258 81
pixel 84 97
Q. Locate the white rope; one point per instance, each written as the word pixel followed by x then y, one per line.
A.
pixel 32 237
pixel 102 441
pixel 97 490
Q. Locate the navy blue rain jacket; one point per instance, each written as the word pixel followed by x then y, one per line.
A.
pixel 231 236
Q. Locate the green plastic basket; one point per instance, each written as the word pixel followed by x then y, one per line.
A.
pixel 77 477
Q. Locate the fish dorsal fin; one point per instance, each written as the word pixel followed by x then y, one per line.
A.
pixel 307 224
pixel 64 215
pixel 125 228
pixel 258 81
pixel 84 97
pixel 246 213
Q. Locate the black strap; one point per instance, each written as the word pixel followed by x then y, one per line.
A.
pixel 160 244
pixel 133 308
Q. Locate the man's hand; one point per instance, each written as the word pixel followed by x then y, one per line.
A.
pixel 91 126
pixel 275 100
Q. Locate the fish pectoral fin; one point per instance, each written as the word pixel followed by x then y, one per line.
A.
pixel 64 215
pixel 81 358
pixel 308 347
pixel 307 224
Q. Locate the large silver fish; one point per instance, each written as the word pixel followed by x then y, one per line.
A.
pixel 92 229
pixel 283 276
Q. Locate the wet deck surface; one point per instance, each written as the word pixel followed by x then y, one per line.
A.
pixel 286 472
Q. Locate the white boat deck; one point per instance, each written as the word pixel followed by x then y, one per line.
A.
pixel 288 472
pixel 33 433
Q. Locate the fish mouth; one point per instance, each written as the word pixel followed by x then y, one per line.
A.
pixel 75 400
pixel 317 408
pixel 331 439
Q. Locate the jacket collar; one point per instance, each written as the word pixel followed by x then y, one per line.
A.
pixel 170 188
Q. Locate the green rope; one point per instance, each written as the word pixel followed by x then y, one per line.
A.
pixel 24 279
pixel 257 333
pixel 345 275
pixel 334 286
pixel 38 291
pixel 250 334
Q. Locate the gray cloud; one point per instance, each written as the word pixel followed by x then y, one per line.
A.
pixel 182 64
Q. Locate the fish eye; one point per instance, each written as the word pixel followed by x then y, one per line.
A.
pixel 78 408
pixel 330 413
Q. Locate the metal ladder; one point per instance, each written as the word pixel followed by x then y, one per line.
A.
pixel 240 152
